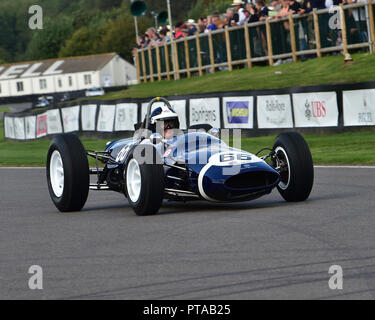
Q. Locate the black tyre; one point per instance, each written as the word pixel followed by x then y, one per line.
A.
pixel 293 158
pixel 67 173
pixel 144 182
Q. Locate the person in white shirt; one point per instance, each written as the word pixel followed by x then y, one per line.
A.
pixel 238 6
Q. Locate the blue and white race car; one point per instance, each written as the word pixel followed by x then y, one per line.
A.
pixel 192 165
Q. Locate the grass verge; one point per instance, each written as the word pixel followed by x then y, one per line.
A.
pixel 345 148
pixel 327 70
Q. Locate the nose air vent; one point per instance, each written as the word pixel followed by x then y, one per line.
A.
pixel 247 180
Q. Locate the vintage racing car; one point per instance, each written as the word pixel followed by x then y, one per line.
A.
pixel 192 165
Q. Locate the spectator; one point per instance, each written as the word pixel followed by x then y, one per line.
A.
pixel 178 30
pixel 164 35
pixel 262 9
pixel 253 13
pixel 238 7
pixel 192 27
pixel 232 17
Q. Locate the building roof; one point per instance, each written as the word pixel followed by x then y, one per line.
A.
pixel 62 65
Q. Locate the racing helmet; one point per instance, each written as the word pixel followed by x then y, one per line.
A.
pixel 165 114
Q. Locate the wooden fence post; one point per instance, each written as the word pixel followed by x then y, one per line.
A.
pixel 343 30
pixel 144 66
pixel 229 52
pixel 199 57
pixel 212 54
pixel 167 66
pixel 269 42
pixel 292 38
pixel 247 43
pixel 158 63
pixel 187 58
pixel 151 67
pixel 317 33
pixel 177 63
pixel 137 62
pixel 372 24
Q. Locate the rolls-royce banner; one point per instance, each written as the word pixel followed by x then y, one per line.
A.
pixel 106 118
pixel 359 107
pixel 30 126
pixel 41 125
pixel 205 110
pixel 88 117
pixel 274 112
pixel 318 109
pixel 54 122
pixel 238 112
pixel 126 116
pixel 70 118
pixel 179 107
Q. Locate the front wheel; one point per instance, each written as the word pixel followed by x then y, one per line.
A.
pixel 144 181
pixel 67 173
pixel 292 158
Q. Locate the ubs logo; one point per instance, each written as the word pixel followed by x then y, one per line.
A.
pixel 315 109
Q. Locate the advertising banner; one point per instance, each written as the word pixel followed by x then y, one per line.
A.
pixel 316 109
pixel 9 128
pixel 238 112
pixel 205 111
pixel 30 127
pixel 274 112
pixel 126 116
pixel 106 118
pixel 179 107
pixel 359 107
pixel 54 122
pixel 19 128
pixel 41 125
pixel 88 117
pixel 70 117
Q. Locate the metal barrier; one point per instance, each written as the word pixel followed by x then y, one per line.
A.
pixel 293 37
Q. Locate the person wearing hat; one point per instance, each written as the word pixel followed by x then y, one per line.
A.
pixel 238 6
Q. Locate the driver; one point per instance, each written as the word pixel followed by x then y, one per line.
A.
pixel 165 118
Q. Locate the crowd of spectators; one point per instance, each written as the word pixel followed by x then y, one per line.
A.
pixel 239 13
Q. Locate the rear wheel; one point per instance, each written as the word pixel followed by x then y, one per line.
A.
pixel 294 162
pixel 144 182
pixel 67 173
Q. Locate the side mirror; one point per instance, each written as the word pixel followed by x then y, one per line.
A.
pixel 156 138
pixel 214 132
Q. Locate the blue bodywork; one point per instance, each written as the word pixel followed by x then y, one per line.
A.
pixel 214 171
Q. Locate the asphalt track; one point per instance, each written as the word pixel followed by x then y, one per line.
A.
pixel 264 249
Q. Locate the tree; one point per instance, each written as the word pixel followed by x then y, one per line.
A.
pixel 47 43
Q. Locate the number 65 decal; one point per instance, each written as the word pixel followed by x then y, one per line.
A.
pixel 234 156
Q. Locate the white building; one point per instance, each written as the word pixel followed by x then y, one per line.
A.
pixel 65 75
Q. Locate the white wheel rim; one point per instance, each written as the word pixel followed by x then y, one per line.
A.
pixel 56 173
pixel 282 184
pixel 133 180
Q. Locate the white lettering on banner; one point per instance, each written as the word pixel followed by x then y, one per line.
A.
pixel 359 107
pixel 13 71
pixel 317 109
pixel 30 72
pixel 179 106
pixel 19 128
pixel 205 111
pixel 70 117
pixel 88 117
pixel 53 68
pixel 126 116
pixel 106 118
pixel 238 112
pixel 54 122
pixel 30 126
pixel 274 111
